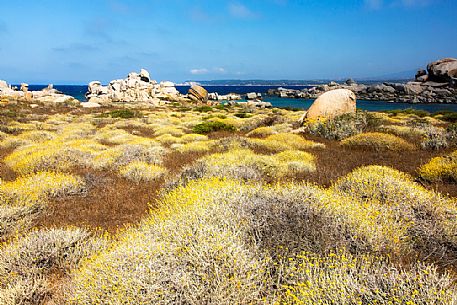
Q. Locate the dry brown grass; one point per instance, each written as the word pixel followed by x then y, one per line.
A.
pixel 336 161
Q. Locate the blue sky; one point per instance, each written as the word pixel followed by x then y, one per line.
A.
pixel 74 42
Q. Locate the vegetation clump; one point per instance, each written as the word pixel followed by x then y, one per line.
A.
pixel 208 127
pixel 440 169
pixel 342 126
pixel 377 141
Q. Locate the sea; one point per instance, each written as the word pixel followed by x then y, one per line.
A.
pixel 78 92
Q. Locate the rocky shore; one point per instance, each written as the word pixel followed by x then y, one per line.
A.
pixel 47 97
pixel 436 85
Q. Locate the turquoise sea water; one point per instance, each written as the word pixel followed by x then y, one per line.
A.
pixel 79 91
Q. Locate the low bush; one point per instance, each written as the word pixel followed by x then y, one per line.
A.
pixel 124 114
pixel 342 126
pixel 28 259
pixel 28 190
pixel 195 147
pixel 245 164
pixel 342 278
pixel 377 141
pixel 440 169
pixel 409 111
pixel 203 109
pixel 423 219
pixel 209 127
pixel 434 138
pixel 243 115
pixel 139 171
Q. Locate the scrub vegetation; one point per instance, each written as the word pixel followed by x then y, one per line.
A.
pixel 225 205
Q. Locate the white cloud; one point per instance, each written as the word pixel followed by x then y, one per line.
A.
pixel 239 10
pixel 199 71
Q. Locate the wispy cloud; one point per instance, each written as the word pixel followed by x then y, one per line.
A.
pixel 200 71
pixel 379 4
pixel 76 47
pixel 203 71
pixel 241 11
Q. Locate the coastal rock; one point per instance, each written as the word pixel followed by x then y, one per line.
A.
pixel 333 103
pixel 251 96
pixel 144 75
pixel 46 97
pixel 419 74
pixel 198 94
pixel 3 85
pixel 136 90
pixel 443 70
pixel 414 88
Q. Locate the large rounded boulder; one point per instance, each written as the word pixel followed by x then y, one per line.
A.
pixel 198 94
pixel 333 103
pixel 443 70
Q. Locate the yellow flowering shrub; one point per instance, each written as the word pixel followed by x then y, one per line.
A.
pixel 295 141
pixel 342 278
pixel 169 130
pixel 440 168
pixel 195 147
pixel 29 189
pixel 192 241
pixel 424 219
pixel 401 131
pixel 284 141
pixel 238 243
pixel 377 141
pixel 193 137
pixel 168 139
pixel 262 132
pixel 138 171
pixel 244 163
pixel 52 155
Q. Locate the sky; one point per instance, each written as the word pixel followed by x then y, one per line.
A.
pixel 75 42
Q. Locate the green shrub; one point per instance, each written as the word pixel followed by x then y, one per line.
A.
pixel 342 126
pixel 448 116
pixel 419 113
pixel 243 115
pixel 203 109
pixel 209 127
pixel 123 114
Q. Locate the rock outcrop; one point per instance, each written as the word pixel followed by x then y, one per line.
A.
pixel 198 94
pixel 332 103
pixel 214 96
pixel 438 86
pixel 443 71
pixel 137 89
pixel 46 97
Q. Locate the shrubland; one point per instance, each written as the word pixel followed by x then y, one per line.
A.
pixel 227 205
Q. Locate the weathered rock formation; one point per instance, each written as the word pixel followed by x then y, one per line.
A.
pixel 443 71
pixel 47 97
pixel 438 86
pixel 137 88
pixel 332 103
pixel 198 94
